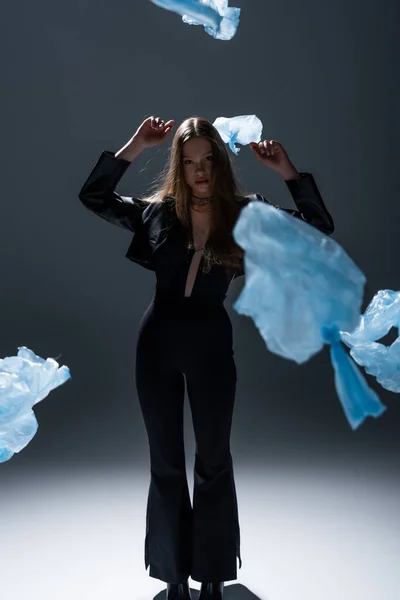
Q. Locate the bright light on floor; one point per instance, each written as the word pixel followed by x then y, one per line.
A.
pixel 321 535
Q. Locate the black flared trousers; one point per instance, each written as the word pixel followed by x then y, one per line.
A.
pixel 184 339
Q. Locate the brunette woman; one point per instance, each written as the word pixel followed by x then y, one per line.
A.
pixel 183 233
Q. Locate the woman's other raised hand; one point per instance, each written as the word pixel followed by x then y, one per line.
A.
pixel 152 132
pixel 273 155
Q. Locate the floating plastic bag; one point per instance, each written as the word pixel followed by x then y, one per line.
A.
pixel 302 289
pixel 218 20
pixel 242 130
pixel 383 362
pixel 25 380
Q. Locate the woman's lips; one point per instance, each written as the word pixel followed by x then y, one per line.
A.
pixel 202 181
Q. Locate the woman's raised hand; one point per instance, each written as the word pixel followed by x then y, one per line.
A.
pixel 153 131
pixel 273 155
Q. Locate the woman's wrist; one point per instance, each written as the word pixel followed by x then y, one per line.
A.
pixel 131 150
pixel 290 173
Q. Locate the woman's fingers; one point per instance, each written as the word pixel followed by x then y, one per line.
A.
pixel 265 147
pixel 168 126
pixel 259 148
pixel 271 147
pixel 153 131
pixel 256 150
pixel 159 125
pixel 255 147
pixel 155 123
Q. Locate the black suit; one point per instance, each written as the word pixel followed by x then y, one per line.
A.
pixel 185 340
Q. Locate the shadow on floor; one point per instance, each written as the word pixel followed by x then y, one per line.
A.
pixel 236 591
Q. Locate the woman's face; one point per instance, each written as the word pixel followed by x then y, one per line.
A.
pixel 197 166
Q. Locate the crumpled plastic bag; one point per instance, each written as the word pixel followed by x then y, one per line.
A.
pixel 218 19
pixel 301 290
pixel 25 380
pixel 242 130
pixel 383 362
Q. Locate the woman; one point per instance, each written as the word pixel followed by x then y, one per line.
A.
pixel 183 233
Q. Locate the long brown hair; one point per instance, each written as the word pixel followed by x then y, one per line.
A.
pixel 221 247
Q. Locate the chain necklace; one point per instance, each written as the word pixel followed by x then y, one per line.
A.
pixel 202 199
pixel 202 204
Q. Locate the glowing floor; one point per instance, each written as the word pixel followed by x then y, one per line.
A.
pixel 306 535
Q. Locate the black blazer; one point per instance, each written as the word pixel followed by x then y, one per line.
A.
pixel 152 222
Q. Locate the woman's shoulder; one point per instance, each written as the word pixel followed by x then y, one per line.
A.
pixel 160 201
pixel 156 203
pixel 158 209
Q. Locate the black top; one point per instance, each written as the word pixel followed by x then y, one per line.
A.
pixel 171 266
pixel 160 242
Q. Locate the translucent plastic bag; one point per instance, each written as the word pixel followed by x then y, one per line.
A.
pixel 302 290
pixel 383 362
pixel 239 130
pixel 25 380
pixel 218 19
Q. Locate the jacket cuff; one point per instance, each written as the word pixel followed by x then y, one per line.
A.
pixel 309 202
pixel 117 159
pixel 110 161
pixel 306 194
pixel 112 166
pixel 304 183
pixel 106 173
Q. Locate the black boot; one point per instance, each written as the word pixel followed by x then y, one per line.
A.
pixel 211 591
pixel 178 591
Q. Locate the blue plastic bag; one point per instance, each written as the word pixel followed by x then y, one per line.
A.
pixel 302 289
pixel 242 130
pixel 25 380
pixel 218 19
pixel 383 362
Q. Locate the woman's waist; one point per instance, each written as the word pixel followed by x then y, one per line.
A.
pixel 189 316
pixel 166 298
pixel 191 307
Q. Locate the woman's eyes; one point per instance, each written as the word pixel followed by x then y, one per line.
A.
pixel 187 161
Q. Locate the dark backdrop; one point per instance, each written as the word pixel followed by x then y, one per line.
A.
pixel 79 77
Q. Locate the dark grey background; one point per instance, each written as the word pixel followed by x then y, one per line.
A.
pixel 79 77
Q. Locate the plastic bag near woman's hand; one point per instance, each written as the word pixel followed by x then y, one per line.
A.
pixel 25 380
pixel 239 130
pixel 218 19
pixel 302 289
